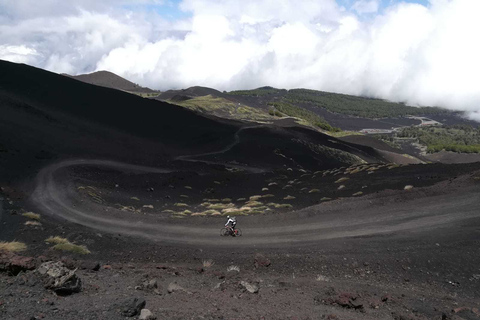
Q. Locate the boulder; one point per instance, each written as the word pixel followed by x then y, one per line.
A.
pixel 146 314
pixel 14 264
pixel 132 307
pixel 60 279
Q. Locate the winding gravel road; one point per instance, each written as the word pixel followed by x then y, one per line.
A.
pixel 346 218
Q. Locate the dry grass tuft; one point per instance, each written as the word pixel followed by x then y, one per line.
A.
pixel 255 198
pixel 272 184
pixel 33 223
pixel 341 187
pixel 226 200
pixel 220 206
pixel 408 188
pixel 207 263
pixel 211 200
pixel 314 191
pixel 199 214
pixel 70 247
pixel 356 194
pixel 280 205
pixel 233 268
pixel 253 203
pixel 289 197
pixel 180 204
pixel 13 246
pixel 56 240
pixel 188 187
pixel 31 215
pixel 342 179
pixel 135 198
pixel 269 195
pixel 264 189
pixel 325 199
pixel 242 199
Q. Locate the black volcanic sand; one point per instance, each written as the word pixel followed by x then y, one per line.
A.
pixel 418 273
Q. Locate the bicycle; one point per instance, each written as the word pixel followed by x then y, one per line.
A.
pixel 228 231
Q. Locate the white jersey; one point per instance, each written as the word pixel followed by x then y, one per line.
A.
pixel 232 220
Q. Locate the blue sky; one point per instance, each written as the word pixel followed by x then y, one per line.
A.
pixel 171 11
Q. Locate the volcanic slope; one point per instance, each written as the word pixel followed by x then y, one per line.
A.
pixel 47 116
pixel 111 80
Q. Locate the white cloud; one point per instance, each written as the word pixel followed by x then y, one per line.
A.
pixel 421 55
pixel 366 6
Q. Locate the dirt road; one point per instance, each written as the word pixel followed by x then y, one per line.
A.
pixel 342 218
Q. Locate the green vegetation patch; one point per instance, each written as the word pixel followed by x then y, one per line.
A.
pixel 456 138
pixel 357 106
pixel 259 92
pixel 223 108
pixel 304 114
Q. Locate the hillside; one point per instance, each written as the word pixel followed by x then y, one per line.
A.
pixel 79 119
pixel 110 80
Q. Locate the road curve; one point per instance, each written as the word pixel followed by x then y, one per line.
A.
pixel 350 218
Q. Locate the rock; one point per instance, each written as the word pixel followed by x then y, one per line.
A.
pixel 249 287
pixel 13 264
pixel 60 279
pixel 90 265
pixel 146 314
pixel 261 261
pixel 152 284
pixel 132 307
pixel 172 287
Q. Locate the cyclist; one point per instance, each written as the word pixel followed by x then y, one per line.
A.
pixel 231 221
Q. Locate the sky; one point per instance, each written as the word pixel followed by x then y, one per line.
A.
pixel 422 52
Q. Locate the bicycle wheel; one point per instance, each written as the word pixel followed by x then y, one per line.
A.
pixel 238 232
pixel 224 232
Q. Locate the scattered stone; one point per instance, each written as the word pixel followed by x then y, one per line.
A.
pixel 261 261
pixel 132 307
pixel 146 314
pixel 249 287
pixel 152 284
pixel 173 287
pixel 59 278
pixel 14 264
